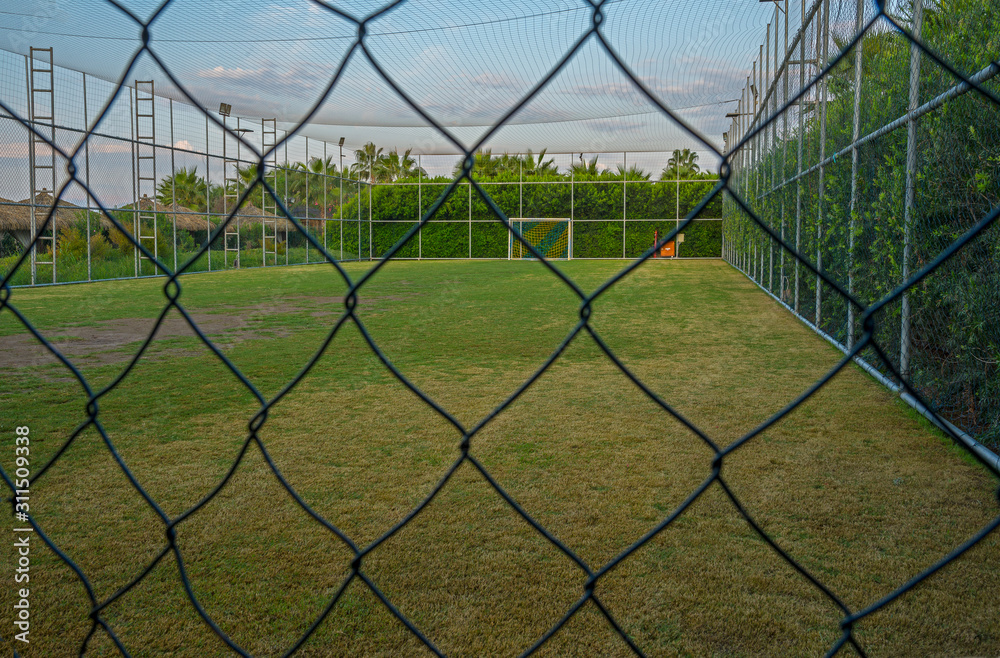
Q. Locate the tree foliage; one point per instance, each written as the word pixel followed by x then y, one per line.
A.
pixel 955 330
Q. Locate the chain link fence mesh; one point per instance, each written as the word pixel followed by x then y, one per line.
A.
pixel 846 233
pixel 879 165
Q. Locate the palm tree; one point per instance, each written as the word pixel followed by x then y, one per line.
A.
pixel 409 168
pixel 508 163
pixel 247 176
pixel 393 167
pixel 186 186
pixel 585 169
pixel 367 161
pixel 539 167
pixel 485 166
pixel 632 173
pixel 305 182
pixel 681 165
pixel 324 166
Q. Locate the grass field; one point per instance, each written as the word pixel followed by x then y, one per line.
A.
pixel 858 488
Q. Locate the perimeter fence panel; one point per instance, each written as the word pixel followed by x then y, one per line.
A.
pixel 879 165
pixel 860 185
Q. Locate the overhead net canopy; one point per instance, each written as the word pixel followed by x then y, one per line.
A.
pixel 466 64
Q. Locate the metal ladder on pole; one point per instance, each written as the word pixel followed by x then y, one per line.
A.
pixel 269 224
pixel 230 198
pixel 43 158
pixel 145 169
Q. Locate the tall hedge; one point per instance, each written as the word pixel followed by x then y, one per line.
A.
pixel 395 208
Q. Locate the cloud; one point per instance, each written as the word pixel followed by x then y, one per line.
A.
pixel 116 147
pixel 14 150
pixel 20 150
pixel 222 73
pixel 614 125
pixel 183 144
pixel 490 80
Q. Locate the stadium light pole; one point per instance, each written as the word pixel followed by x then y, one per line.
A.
pixel 420 207
pixel 224 110
pixel 341 145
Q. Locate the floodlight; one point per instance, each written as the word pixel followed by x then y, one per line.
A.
pixel 225 109
pixel 341 141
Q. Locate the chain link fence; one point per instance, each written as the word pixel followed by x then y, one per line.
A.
pixel 873 170
pixel 176 184
pixel 879 234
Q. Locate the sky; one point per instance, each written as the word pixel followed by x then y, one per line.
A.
pixel 465 63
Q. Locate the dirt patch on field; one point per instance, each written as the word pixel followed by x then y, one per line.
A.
pixel 226 325
pixel 324 305
pixel 104 343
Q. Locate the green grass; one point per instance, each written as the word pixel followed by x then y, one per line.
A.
pixel 863 492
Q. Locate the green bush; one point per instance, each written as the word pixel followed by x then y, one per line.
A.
pixel 395 209
pixel 955 336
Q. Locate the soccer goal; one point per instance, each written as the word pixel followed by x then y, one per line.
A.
pixel 551 237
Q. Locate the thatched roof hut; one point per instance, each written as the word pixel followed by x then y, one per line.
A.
pixel 251 214
pixel 187 219
pixel 15 217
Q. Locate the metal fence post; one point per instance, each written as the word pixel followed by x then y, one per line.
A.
pixel 761 142
pixel 287 241
pixel 784 158
pixel 420 210
pixel 824 34
pixel 911 190
pixel 86 161
pixel 624 197
pixel 677 208
pixel 798 179
pixel 752 188
pixel 855 134
pixel 31 168
pixel 208 195
pixel 307 200
pixel 173 181
pixel 747 232
pixel 325 184
pixel 135 198
pixel 767 78
pixel 359 215
pixel 341 211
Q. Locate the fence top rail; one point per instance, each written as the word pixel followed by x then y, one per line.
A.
pixel 179 149
pixel 577 181
pixel 617 220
